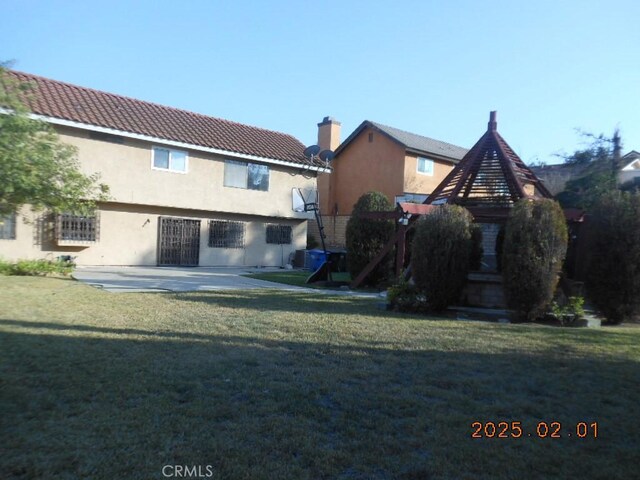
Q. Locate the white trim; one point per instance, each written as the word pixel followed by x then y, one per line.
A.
pixel 148 138
pixel 170 170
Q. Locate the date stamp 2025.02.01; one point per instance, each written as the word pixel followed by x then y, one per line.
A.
pixel 552 429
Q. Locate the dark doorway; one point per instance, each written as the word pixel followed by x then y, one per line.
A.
pixel 178 242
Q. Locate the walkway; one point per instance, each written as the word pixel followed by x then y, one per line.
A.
pixel 187 279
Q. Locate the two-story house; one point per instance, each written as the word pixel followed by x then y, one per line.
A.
pixel 185 188
pixel 404 166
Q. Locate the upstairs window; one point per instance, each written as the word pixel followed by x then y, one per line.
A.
pixel 246 175
pixel 171 160
pixel 8 227
pixel 279 234
pixel 77 228
pixel 425 166
pixel 224 234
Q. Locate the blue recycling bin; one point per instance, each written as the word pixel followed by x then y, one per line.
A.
pixel 317 257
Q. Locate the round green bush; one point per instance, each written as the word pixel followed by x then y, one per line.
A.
pixel 441 255
pixel 613 278
pixel 366 237
pixel 534 248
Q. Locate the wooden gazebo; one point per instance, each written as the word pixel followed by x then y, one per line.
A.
pixel 488 181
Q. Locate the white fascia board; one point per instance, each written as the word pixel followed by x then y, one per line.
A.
pixel 173 143
pixel 634 165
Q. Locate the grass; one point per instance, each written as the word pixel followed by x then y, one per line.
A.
pixel 296 277
pixel 299 386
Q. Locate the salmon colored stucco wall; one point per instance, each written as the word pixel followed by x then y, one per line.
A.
pixel 361 167
pixel 415 182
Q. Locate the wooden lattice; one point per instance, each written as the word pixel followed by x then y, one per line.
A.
pixel 489 175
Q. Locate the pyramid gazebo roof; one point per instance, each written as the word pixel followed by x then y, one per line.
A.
pixel 489 179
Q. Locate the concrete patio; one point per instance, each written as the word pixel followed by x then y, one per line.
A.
pixel 121 279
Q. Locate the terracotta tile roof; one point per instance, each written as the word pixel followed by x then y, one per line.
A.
pixel 61 100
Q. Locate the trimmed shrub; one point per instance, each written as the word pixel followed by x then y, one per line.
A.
pixel 535 245
pixel 441 255
pixel 36 267
pixel 568 312
pixel 366 237
pixel 405 297
pixel 613 277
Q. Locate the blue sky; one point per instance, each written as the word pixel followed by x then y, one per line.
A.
pixel 430 67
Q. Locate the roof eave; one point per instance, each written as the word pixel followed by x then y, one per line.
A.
pixel 358 131
pixel 433 155
pixel 174 143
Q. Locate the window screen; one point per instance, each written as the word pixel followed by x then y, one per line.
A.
pixel 425 166
pixel 223 234
pixel 258 177
pixel 8 227
pixel 178 161
pixel 235 174
pixel 161 158
pixel 279 234
pixel 173 160
pixel 246 175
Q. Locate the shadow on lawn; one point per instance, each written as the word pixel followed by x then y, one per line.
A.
pixel 95 407
pixel 286 301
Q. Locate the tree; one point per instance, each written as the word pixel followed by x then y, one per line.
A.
pixel 534 247
pixel 442 254
pixel 367 236
pixel 36 168
pixel 613 278
pixel 598 163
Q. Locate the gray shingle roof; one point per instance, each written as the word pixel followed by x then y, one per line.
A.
pixel 416 143
pixel 423 144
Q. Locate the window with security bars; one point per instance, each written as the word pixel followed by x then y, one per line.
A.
pixel 224 234
pixel 279 234
pixel 8 227
pixel 77 228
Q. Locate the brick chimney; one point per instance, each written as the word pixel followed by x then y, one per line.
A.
pixel 328 138
pixel 329 133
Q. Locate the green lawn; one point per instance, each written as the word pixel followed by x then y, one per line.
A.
pixel 295 386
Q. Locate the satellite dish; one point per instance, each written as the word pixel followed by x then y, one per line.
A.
pixel 326 155
pixel 311 151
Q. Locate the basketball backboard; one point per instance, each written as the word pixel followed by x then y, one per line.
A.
pixel 304 199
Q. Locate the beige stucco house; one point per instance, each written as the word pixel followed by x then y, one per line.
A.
pixel 185 188
pixel 406 167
